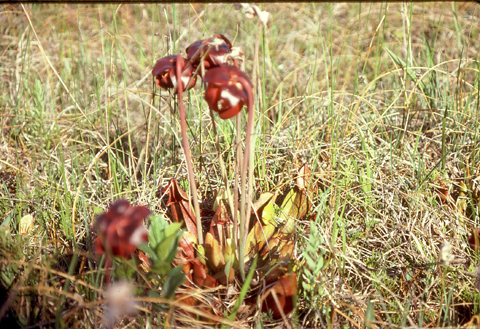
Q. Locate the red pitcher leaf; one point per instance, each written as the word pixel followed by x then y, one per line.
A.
pixel 221 224
pixel 302 204
pixel 200 276
pixel 207 282
pixel 187 243
pixel 214 254
pixel 257 238
pixel 285 290
pixel 199 271
pixel 180 207
pixel 264 208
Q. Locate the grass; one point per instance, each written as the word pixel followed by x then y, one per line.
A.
pixel 381 100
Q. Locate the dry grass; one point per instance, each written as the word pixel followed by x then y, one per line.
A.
pixel 80 127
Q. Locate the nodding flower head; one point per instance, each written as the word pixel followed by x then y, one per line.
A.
pixel 225 92
pixel 217 46
pixel 164 73
pixel 120 229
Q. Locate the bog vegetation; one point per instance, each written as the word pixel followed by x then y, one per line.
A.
pixel 220 165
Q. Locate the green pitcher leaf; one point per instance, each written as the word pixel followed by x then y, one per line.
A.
pixel 294 206
pixel 265 209
pixel 214 253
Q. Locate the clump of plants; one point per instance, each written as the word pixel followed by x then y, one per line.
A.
pixel 226 251
pixel 247 245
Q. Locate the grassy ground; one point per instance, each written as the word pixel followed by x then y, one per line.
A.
pixel 381 100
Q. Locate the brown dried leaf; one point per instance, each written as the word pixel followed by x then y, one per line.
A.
pixel 304 176
pixel 180 207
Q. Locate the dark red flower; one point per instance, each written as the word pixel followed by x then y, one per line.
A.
pixel 225 94
pixel 219 46
pixel 164 73
pixel 121 229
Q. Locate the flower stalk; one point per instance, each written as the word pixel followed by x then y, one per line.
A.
pixel 186 148
pixel 246 195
